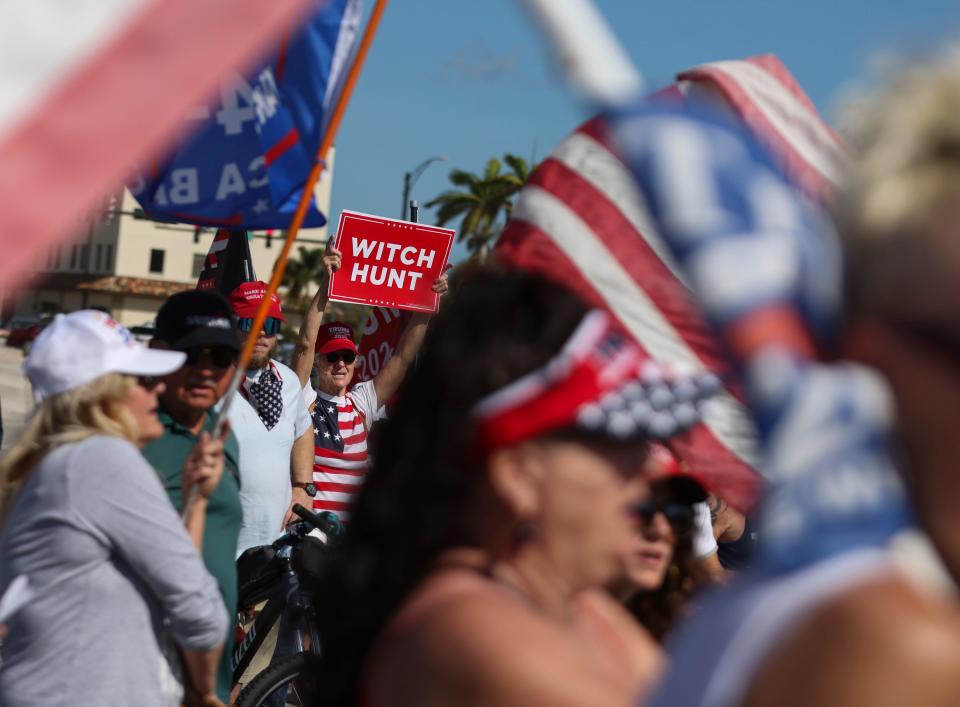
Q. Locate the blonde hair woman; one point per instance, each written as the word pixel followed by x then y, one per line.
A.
pixel 86 519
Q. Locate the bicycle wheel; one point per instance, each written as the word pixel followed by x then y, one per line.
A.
pixel 290 682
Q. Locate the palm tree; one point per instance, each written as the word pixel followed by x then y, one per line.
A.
pixel 302 274
pixel 481 201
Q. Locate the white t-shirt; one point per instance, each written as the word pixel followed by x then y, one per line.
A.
pixel 265 482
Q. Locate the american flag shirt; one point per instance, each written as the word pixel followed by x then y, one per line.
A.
pixel 340 426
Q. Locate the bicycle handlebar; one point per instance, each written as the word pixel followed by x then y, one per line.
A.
pixel 326 523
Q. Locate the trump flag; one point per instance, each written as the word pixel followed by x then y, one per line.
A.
pixel 253 147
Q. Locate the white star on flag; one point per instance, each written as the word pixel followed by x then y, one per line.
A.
pixel 330 409
pixel 326 435
pixel 261 206
pixel 337 437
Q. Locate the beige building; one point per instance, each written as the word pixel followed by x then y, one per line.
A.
pixel 130 265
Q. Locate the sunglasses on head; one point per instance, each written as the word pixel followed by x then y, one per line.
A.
pixel 675 513
pixel 220 356
pixel 271 325
pixel 347 357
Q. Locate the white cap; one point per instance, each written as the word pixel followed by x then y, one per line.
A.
pixel 78 347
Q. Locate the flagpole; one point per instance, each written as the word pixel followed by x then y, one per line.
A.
pixel 589 53
pixel 281 264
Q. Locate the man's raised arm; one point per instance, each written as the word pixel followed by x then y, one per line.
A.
pixel 302 362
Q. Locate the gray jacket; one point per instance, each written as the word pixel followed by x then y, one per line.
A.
pixel 113 570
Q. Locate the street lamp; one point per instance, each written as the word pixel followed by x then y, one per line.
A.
pixel 410 178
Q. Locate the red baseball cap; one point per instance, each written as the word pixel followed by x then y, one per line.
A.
pixel 335 336
pixel 245 300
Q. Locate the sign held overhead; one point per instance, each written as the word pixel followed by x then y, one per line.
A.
pixel 388 262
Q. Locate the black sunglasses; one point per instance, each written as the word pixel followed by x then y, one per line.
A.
pixel 347 357
pixel 676 513
pixel 271 325
pixel 148 382
pixel 220 356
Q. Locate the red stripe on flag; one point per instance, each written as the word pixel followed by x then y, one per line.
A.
pixel 323 469
pixel 335 487
pixel 325 505
pixel 347 425
pixel 284 144
pixel 753 114
pixel 355 439
pixel 331 454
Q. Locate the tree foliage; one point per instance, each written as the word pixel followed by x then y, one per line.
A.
pixel 483 201
pixel 303 275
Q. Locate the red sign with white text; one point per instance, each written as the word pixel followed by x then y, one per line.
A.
pixel 389 263
pixel 378 340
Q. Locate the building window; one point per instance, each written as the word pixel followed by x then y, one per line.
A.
pixel 198 259
pixel 85 258
pixel 99 258
pixel 108 265
pixel 73 258
pixel 156 260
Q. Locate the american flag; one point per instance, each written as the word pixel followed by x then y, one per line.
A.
pixel 582 221
pixel 228 263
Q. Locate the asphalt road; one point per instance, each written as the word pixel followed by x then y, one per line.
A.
pixel 16 399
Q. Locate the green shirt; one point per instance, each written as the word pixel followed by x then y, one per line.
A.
pixel 224 516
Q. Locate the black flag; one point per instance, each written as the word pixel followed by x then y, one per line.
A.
pixel 228 263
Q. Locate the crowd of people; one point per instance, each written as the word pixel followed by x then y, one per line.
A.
pixel 520 528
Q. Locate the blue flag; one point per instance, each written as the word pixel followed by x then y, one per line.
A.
pixel 751 245
pixel 246 165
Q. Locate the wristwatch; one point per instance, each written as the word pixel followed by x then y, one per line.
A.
pixel 309 487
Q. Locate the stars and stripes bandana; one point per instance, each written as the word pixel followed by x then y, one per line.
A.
pixel 266 391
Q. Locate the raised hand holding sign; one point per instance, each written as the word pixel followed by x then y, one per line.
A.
pixel 389 263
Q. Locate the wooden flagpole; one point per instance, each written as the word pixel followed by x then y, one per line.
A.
pixel 299 215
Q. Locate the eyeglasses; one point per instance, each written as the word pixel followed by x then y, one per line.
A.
pixel 220 356
pixel 148 382
pixel 271 325
pixel 347 357
pixel 675 513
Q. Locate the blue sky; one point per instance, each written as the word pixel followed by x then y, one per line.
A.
pixel 472 79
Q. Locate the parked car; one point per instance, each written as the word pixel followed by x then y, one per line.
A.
pixel 15 323
pixel 24 331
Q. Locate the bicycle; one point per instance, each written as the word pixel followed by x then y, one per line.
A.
pixel 276 573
